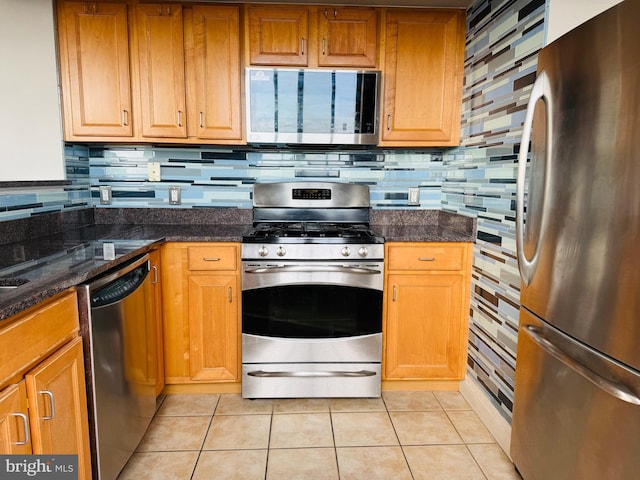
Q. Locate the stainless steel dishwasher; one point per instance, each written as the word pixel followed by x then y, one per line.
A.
pixel 122 365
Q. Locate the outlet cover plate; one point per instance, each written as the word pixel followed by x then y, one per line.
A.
pixel 174 195
pixel 105 195
pixel 153 171
pixel 414 196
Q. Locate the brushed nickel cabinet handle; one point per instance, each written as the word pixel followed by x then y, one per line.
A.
pixel 230 293
pixel 388 122
pixel 427 259
pixel 155 274
pixel 302 46
pixel 125 118
pixel 25 422
pixel 395 293
pixel 323 45
pixel 52 404
pixel 211 259
pixel 201 120
pixel 179 118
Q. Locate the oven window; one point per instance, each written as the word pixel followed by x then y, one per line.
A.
pixel 311 311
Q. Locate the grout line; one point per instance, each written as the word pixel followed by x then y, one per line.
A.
pixel 266 463
pixel 397 437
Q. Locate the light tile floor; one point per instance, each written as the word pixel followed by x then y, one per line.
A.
pixel 403 435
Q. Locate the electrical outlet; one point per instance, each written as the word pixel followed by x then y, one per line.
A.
pixel 105 194
pixel 153 171
pixel 414 196
pixel 174 195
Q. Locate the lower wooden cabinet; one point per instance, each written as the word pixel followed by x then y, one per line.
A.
pixel 57 404
pixel 201 300
pixel 426 310
pixel 43 406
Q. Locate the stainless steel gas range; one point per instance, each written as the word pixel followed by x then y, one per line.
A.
pixel 312 278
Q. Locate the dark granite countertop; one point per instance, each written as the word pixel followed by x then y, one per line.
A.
pixel 48 265
pixel 420 233
pixel 46 256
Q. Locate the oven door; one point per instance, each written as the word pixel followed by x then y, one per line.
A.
pixel 311 329
pixel 312 300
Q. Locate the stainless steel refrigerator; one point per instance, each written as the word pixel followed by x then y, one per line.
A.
pixel 576 410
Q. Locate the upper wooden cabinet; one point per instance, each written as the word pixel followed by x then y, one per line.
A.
pixel 160 39
pixel 94 70
pixel 185 79
pixel 348 37
pixel 424 55
pixel 279 35
pixel 310 36
pixel 187 60
pixel 215 79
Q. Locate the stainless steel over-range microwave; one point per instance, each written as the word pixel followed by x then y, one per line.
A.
pixel 312 106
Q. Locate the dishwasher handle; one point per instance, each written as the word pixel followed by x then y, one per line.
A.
pixel 120 287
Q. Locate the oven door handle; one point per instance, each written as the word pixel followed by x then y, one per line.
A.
pixel 311 269
pixel 309 374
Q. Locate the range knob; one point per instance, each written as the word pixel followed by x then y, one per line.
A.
pixel 281 252
pixel 263 251
pixel 345 252
pixel 363 252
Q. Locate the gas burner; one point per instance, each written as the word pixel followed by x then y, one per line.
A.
pixel 307 232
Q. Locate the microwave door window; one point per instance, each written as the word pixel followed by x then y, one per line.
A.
pixel 346 101
pixel 263 98
pixel 317 102
pixel 286 102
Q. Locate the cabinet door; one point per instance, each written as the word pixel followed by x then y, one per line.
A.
pixel 213 327
pixel 15 438
pixel 161 67
pixel 58 406
pixel 94 61
pixel 348 37
pixel 425 332
pixel 423 78
pixel 279 35
pixel 216 32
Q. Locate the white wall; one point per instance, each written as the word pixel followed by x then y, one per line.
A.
pixel 565 15
pixel 30 127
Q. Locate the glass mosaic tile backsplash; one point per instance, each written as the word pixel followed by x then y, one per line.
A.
pixel 212 177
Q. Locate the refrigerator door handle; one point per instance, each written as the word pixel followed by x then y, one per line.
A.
pixel 617 389
pixel 541 91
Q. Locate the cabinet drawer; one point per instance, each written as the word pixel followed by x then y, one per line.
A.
pixel 214 257
pixel 28 337
pixel 445 257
